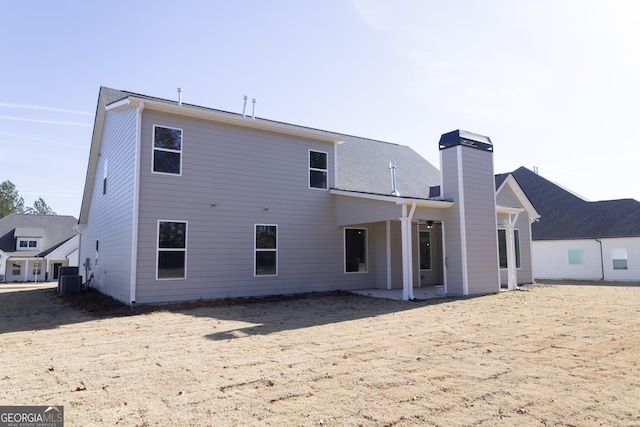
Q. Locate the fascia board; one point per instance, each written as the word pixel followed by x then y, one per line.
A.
pixel 237 120
pixel 520 194
pixel 438 204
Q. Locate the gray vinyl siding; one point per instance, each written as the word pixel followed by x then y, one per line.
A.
pixel 111 214
pixel 353 210
pixel 253 177
pixel 452 227
pixel 479 217
pixel 507 198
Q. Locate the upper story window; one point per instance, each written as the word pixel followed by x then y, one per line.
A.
pixel 318 169
pixel 27 245
pixel 167 150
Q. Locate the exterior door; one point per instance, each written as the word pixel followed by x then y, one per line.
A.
pixel 56 269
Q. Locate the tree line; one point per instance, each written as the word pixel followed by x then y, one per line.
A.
pixel 12 202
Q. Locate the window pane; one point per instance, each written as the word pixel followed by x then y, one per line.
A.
pixel 619 264
pixel 265 262
pixel 317 179
pixel 23 243
pixel 425 250
pixel 172 235
pixel 317 160
pixel 33 243
pixel 619 253
pixel 265 237
pixel 576 257
pixel 502 248
pixel 355 249
pixel 516 237
pixel 167 138
pixel 165 161
pixel 171 264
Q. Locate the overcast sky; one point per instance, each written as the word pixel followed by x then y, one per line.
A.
pixel 555 84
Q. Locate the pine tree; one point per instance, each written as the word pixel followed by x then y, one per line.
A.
pixel 10 200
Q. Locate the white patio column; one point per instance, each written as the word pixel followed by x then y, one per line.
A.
pixel 407 258
pixel 512 274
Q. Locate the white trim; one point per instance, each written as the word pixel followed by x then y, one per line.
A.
pixel 167 150
pixel 326 171
pixel 388 240
pixel 255 249
pixel 444 257
pixel 136 209
pixel 463 225
pixel 118 105
pixel 422 203
pixel 186 235
pixel 236 119
pixel 366 249
pixel 520 195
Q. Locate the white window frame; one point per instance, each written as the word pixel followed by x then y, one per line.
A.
pixel 366 249
pixel 318 170
pixel 185 249
pixel 256 249
pixel 167 150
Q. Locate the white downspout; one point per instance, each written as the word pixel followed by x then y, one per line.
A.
pixel 407 258
pixel 136 207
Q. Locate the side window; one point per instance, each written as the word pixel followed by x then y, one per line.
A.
pixel 355 250
pixel 266 250
pixel 172 250
pixel 576 257
pixel 318 169
pixel 619 258
pixel 167 150
pixel 502 247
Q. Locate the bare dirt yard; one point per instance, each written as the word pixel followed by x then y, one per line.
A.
pixel 566 355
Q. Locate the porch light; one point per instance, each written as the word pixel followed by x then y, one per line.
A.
pixel 429 224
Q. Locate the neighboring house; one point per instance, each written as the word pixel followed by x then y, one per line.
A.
pixel 578 239
pixel 34 247
pixel 183 202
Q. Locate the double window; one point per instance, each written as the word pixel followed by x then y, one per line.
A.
pixel 266 250
pixel 27 244
pixel 172 250
pixel 503 245
pixel 355 250
pixel 318 168
pixel 167 150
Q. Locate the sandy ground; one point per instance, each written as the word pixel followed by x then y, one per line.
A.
pixel 559 355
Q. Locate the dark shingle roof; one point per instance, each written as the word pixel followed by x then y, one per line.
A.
pixel 567 216
pixel 363 166
pixel 55 230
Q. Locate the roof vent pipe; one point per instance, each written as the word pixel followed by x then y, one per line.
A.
pixel 179 96
pixel 253 112
pixel 244 106
pixel 394 189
